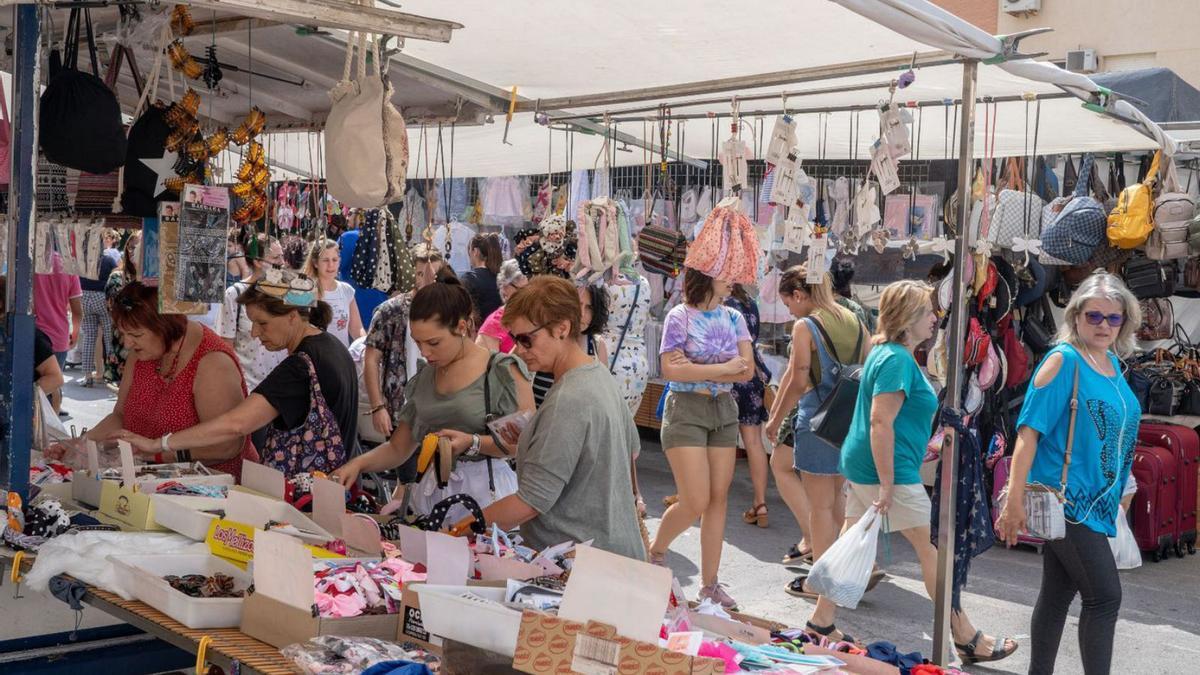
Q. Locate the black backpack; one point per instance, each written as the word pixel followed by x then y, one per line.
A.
pixel 80 118
pixel 144 166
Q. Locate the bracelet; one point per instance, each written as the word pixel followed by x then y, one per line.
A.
pixel 158 458
pixel 377 408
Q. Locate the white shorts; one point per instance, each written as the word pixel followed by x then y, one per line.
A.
pixel 910 505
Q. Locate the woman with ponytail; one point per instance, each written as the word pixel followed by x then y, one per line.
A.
pixel 310 400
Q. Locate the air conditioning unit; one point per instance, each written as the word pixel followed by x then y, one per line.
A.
pixel 1022 6
pixel 1083 61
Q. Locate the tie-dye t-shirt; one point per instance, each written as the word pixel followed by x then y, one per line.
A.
pixel 705 338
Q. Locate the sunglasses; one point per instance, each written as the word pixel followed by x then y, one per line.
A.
pixel 1097 318
pixel 525 339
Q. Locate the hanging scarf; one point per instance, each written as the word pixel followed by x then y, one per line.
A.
pixel 973 532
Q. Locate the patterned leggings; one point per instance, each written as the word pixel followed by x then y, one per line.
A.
pixel 95 320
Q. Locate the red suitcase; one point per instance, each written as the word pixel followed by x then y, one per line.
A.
pixel 1184 443
pixel 999 480
pixel 1155 505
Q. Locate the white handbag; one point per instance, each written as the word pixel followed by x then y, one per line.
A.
pixel 366 143
pixel 1173 212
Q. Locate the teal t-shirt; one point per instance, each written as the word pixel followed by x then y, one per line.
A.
pixel 890 368
pixel 1106 428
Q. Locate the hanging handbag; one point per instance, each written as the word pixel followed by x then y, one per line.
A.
pixel 1045 517
pixel 831 421
pixel 662 250
pixel 1038 329
pixel 1080 225
pixel 1132 221
pixel 1173 213
pixel 365 260
pixel 1018 211
pixel 1158 319
pixel 80 118
pixel 1148 278
pixel 366 143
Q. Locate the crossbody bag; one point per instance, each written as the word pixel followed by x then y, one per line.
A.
pixel 1045 517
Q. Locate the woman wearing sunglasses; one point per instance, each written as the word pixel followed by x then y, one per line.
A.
pixel 1098 326
pixel 574 458
pixel 453 397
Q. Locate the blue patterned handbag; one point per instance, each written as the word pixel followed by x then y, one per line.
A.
pixel 1080 227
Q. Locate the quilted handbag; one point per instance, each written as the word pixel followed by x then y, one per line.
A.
pixel 366 143
pixel 1148 278
pixel 662 250
pixel 1080 226
pixel 1018 212
pixel 1173 213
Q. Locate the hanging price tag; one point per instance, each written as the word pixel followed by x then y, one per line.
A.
pixel 786 189
pixel 866 207
pixel 783 138
pixel 885 167
pixel 818 263
pixel 893 122
pixel 796 230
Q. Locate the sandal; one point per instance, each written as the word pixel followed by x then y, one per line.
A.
pixel 970 655
pixel 795 556
pixel 796 588
pixel 877 575
pixel 670 499
pixel 756 514
pixel 828 632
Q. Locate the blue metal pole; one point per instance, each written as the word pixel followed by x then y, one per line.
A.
pixel 16 366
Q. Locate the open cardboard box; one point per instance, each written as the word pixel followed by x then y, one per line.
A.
pixel 190 516
pixel 547 645
pixel 282 608
pixel 86 487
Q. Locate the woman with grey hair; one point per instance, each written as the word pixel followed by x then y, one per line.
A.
pixel 492 333
pixel 1095 454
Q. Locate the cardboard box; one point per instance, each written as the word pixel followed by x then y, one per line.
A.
pixel 282 609
pixel 549 645
pixel 127 507
pixel 190 516
pixel 412 627
pixel 86 487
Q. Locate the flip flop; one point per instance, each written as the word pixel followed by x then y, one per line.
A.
pixel 877 575
pixel 968 653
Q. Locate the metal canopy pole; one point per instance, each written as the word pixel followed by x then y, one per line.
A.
pixel 16 371
pixel 958 325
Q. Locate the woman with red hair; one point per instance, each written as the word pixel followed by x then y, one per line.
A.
pixel 182 374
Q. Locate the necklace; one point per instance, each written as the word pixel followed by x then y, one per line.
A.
pixel 170 372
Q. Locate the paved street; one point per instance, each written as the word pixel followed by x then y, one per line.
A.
pixel 1158 632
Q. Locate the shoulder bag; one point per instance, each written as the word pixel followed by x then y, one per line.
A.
pixel 80 118
pixel 831 421
pixel 1132 221
pixel 1173 213
pixel 1044 514
pixel 1148 278
pixel 366 143
pixel 1080 226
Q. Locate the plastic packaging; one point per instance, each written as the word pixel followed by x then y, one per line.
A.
pixel 843 572
pixel 1124 546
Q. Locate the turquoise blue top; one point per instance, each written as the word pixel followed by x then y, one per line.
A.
pixel 890 368
pixel 1105 434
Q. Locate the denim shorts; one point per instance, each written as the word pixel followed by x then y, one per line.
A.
pixel 699 420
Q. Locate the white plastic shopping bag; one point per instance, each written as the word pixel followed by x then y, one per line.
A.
pixel 843 572
pixel 1124 546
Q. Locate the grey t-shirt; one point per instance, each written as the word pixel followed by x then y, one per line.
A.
pixel 573 466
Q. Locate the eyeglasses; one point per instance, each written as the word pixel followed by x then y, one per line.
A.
pixel 1097 318
pixel 525 339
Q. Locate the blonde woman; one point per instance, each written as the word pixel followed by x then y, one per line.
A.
pixel 884 448
pixel 824 335
pixel 1098 325
pixel 322 264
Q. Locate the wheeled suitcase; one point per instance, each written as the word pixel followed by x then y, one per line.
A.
pixel 999 480
pixel 1184 443
pixel 1155 506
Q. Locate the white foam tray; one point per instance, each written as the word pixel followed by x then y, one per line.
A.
pixel 450 612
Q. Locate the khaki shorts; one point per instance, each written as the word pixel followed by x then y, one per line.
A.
pixel 910 505
pixel 698 420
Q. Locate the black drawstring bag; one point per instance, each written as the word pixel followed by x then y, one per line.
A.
pixel 143 188
pixel 80 118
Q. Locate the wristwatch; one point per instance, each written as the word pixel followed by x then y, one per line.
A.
pixel 473 451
